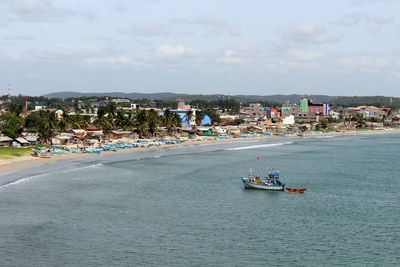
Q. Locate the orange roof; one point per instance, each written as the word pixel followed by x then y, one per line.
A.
pixel 364 107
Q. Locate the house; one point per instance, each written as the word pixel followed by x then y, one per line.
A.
pixel 288 120
pixel 20 141
pixel 204 130
pixel 62 139
pixel 39 107
pixel 32 138
pixel 117 134
pixel 5 140
pixel 81 134
pixel 256 129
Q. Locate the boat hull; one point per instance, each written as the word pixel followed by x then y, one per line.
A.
pixel 261 186
pixel 293 190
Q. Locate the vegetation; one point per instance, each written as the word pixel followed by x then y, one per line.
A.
pixel 11 125
pixel 13 152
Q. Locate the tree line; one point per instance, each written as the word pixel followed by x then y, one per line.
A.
pixel 47 123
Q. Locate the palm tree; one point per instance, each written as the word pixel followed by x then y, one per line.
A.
pixel 168 120
pixel 153 121
pixel 79 121
pixel 104 119
pixel 142 122
pixel 63 121
pixel 188 117
pixel 121 119
pixel 177 121
pixel 199 117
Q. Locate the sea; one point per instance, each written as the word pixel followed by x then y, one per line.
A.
pixel 187 206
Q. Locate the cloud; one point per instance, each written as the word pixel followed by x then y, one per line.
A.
pixel 362 64
pixel 362 2
pixel 211 26
pixel 215 25
pixel 18 37
pixel 167 50
pixel 307 34
pixel 69 50
pixel 305 56
pixel 13 55
pixel 149 30
pixel 55 54
pixel 33 11
pixel 176 57
pixel 358 18
pixel 109 60
pixel 230 57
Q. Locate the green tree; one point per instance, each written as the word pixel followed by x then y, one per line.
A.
pixel 105 117
pixel 11 125
pixel 142 123
pixel 153 121
pixel 42 122
pixel 199 117
pixel 215 119
pixel 79 121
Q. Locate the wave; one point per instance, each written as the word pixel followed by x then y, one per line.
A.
pixel 33 177
pixel 324 136
pixel 259 146
pixel 21 181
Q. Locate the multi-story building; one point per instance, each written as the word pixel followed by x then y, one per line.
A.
pixel 307 105
pixel 256 111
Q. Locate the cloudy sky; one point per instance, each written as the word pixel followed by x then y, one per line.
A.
pixel 338 47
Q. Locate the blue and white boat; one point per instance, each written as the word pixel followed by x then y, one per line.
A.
pixel 270 183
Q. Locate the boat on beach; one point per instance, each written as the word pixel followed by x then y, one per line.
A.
pixel 45 155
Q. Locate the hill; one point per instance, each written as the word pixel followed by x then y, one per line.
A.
pixel 294 98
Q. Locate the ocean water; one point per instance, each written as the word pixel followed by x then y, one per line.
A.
pixel 186 206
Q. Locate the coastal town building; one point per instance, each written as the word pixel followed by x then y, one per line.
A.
pixel 307 105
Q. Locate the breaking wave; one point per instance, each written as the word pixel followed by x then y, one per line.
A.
pixel 259 146
pixel 33 177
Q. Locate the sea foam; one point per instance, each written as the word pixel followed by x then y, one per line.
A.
pixel 259 146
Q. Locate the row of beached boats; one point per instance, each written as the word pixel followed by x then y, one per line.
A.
pixel 56 150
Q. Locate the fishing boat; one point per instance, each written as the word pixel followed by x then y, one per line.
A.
pixel 296 190
pixel 270 183
pixel 45 155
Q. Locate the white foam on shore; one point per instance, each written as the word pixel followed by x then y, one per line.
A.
pixel 259 146
pixel 33 177
pixel 22 180
pixel 323 136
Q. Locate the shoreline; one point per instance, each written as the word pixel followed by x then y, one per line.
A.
pixel 16 164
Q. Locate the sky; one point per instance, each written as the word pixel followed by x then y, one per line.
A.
pixel 332 47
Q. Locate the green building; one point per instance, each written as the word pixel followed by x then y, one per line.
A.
pixel 304 105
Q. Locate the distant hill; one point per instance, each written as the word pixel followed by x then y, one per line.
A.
pixel 188 97
pixel 294 98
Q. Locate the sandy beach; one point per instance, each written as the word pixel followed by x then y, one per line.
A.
pixel 9 165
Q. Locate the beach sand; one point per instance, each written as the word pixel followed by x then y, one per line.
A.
pixel 8 165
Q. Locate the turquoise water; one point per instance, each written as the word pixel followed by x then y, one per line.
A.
pixel 186 206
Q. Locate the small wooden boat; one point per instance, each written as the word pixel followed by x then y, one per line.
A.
pixel 45 155
pixel 294 190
